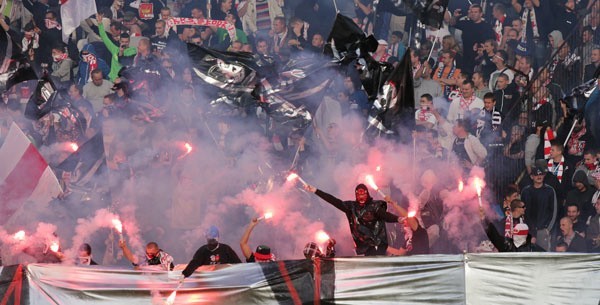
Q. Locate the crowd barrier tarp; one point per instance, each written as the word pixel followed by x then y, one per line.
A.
pixel 422 279
pixel 508 278
pixel 13 285
pixel 526 278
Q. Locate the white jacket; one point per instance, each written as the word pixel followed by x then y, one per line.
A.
pixel 249 19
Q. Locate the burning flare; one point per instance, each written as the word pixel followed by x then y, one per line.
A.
pixel 73 146
pixel 171 298
pixel 322 236
pixel 266 215
pixel 54 246
pixel 20 236
pixel 412 214
pixel 478 186
pixel 371 182
pixel 119 227
pixel 461 185
pixel 188 147
pixel 378 168
pixel 294 176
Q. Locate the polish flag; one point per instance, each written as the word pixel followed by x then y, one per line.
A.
pixel 72 12
pixel 24 175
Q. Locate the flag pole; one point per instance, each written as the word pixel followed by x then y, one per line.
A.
pixel 335 6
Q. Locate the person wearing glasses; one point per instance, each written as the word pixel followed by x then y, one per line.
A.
pixel 155 256
pixel 516 237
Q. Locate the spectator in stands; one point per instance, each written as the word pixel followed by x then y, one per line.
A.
pixel 461 106
pixel 592 67
pixel 358 97
pixel 501 22
pixel 588 166
pixel 262 254
pixel 85 256
pixel 424 84
pixel 506 95
pixel 95 90
pixel 312 251
pixel 542 208
pixel 592 234
pixel 89 61
pixel 565 17
pixel 262 47
pixel 62 65
pixel 212 253
pixel 481 86
pixel 258 16
pixel 488 129
pixel 573 213
pixel 575 242
pixel 154 257
pixel 423 115
pixel 279 34
pixel 582 194
pixel 517 236
pixel 486 58
pixel 500 60
pixel 117 51
pixel 447 73
pixel 396 48
pixel 416 239
pixel 560 167
pixel 468 149
pixel 536 19
pixel 474 32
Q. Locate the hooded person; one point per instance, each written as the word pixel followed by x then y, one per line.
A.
pixel 312 250
pixel 555 39
pixel 516 237
pixel 212 253
pixel 366 218
pixel 88 63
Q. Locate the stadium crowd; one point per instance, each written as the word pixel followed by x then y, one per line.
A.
pixel 489 90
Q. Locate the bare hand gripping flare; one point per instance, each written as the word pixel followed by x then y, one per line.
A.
pixel 371 182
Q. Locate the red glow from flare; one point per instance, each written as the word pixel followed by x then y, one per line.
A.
pixel 188 147
pixel 171 298
pixel 74 146
pixel 371 182
pixel 461 185
pixel 412 213
pixel 54 246
pixel 118 225
pixel 291 177
pixel 19 235
pixel 478 186
pixel 321 236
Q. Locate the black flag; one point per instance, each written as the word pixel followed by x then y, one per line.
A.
pixel 346 37
pixel 394 107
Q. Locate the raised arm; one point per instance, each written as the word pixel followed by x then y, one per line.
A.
pixel 339 204
pixel 127 253
pixel 244 241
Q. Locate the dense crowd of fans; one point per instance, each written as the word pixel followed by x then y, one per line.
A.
pixel 485 94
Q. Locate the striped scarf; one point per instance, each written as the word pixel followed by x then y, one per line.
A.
pixel 533 20
pixel 558 169
pixel 447 88
pixel 508 226
pixel 549 135
pixel 92 62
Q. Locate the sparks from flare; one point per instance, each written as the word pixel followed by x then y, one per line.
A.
pixel 294 176
pixel 20 236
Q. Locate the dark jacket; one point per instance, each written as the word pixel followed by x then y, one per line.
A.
pixel 84 67
pixel 367 222
pixel 505 244
pixel 541 209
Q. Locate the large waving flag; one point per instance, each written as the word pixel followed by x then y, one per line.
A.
pixel 24 174
pixel 72 12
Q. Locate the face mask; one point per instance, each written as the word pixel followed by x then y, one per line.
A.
pixel 85 260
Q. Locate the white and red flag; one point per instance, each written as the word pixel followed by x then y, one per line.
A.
pixel 72 12
pixel 24 175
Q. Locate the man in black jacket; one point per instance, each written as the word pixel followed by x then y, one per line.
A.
pixel 366 217
pixel 213 253
pixel 542 208
pixel 516 233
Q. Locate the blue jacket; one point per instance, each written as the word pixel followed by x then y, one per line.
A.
pixel 84 67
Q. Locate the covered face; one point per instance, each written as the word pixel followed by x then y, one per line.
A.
pixel 362 193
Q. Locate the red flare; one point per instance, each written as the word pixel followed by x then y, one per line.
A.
pixel 171 298
pixel 412 214
pixel 322 236
pixel 371 182
pixel 461 185
pixel 188 147
pixel 118 225
pixel 478 186
pixel 19 235
pixel 291 177
pixel 54 246
pixel 74 146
